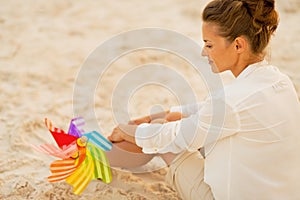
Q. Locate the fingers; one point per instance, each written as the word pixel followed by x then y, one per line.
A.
pixel 174 116
pixel 110 138
pixel 116 135
pixel 131 122
pixel 159 121
pixel 139 121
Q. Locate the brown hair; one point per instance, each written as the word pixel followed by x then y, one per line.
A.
pixel 257 20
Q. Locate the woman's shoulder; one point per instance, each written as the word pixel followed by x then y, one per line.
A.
pixel 260 79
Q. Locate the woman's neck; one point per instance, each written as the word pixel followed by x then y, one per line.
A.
pixel 242 64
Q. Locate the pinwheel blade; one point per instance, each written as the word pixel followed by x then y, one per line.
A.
pixel 82 175
pixel 51 150
pixel 62 139
pixel 98 140
pixel 61 169
pixel 82 154
pixel 101 165
pixel 76 127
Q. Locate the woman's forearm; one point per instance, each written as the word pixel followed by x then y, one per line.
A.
pixel 159 115
pixel 149 118
pixel 128 132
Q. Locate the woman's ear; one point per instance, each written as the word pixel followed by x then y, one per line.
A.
pixel 241 44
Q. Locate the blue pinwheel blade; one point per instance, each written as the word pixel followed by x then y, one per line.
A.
pixel 99 140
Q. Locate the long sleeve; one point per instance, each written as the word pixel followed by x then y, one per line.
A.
pixel 188 109
pixel 189 133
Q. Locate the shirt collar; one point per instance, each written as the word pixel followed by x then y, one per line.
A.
pixel 251 68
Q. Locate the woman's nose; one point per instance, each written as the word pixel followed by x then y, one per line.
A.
pixel 204 53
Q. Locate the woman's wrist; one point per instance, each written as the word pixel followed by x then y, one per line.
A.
pixel 149 118
pixel 128 132
pixel 158 115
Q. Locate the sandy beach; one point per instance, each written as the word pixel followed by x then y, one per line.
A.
pixel 43 46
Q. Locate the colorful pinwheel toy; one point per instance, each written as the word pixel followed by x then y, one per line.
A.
pixel 82 155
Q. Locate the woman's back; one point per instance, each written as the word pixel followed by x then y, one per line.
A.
pixel 262 160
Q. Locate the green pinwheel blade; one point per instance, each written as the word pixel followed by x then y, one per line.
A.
pixel 102 168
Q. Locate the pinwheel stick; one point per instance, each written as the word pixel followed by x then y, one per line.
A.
pixel 83 139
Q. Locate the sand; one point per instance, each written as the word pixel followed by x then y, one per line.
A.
pixel 44 44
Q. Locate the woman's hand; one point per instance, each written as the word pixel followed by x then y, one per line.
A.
pixel 161 118
pixel 116 135
pixel 174 116
pixel 149 118
pixel 146 119
pixel 123 132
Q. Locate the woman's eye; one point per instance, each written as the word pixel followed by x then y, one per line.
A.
pixel 208 46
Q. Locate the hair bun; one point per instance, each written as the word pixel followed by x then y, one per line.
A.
pixel 263 13
pixel 255 19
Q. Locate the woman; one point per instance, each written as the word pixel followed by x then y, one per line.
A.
pixel 256 153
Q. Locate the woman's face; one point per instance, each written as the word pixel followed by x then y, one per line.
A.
pixel 220 53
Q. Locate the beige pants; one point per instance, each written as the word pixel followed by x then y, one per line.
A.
pixel 186 176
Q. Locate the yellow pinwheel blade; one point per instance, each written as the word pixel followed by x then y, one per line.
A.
pixel 82 175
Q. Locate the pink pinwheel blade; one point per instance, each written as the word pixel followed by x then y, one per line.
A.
pixel 51 150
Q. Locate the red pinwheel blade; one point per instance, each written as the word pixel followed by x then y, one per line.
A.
pixel 62 139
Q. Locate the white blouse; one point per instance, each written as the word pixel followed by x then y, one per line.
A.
pixel 250 132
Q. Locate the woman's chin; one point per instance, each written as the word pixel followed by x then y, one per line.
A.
pixel 214 69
